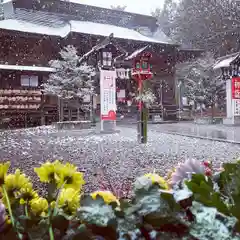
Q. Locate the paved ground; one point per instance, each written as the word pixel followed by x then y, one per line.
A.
pixel 217 132
pixel 119 154
pixel 187 128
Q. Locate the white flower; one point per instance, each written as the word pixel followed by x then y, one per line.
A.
pixel 147 97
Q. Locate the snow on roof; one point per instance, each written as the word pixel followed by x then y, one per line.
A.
pixel 85 27
pixel 6 1
pixel 27 68
pixel 23 26
pixel 106 29
pixel 161 36
pixel 225 62
pixel 134 54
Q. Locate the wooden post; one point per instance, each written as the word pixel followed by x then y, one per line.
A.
pixel 145 122
pixel 78 113
pixel 59 110
pixel 69 114
pixel 42 118
pixel 25 120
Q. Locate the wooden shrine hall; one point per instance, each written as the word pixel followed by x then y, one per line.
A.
pixel 33 33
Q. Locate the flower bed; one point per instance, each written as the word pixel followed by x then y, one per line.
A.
pixel 192 202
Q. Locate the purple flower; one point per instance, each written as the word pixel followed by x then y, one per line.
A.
pixel 2 216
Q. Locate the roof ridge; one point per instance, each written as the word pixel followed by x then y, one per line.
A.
pixel 228 56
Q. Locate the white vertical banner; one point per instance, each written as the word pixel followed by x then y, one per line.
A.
pixel 108 95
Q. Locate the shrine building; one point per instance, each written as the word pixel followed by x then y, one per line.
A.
pixel 33 32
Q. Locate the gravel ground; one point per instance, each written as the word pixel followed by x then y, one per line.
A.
pixel 119 154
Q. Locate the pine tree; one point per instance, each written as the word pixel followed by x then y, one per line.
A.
pixel 71 80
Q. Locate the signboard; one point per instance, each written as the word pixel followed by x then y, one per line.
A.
pixel 236 88
pixel 236 107
pixel 108 94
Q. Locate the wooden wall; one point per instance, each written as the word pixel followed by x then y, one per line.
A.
pixel 28 49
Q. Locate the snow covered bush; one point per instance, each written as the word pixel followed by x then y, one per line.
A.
pixel 200 82
pixel 148 97
pixel 199 204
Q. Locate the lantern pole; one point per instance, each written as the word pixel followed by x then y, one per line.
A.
pixel 141 72
pixel 140 111
pixel 142 114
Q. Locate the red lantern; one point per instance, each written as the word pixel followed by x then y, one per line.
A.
pixel 142 71
pixel 142 67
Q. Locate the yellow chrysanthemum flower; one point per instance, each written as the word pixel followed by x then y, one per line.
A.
pixel 48 172
pixel 53 204
pixel 169 175
pixel 69 200
pixel 155 178
pixel 14 182
pixel 107 196
pixel 39 206
pixel 26 194
pixel 3 171
pixel 70 177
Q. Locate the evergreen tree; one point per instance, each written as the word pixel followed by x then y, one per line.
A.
pixel 71 79
pixel 201 83
pixel 212 25
pixel 165 16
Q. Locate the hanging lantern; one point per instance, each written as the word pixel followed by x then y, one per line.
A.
pixel 106 56
pixel 142 67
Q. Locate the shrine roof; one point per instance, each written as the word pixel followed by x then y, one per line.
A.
pixel 53 24
pixel 226 61
pixel 26 68
pixel 28 27
pixel 106 29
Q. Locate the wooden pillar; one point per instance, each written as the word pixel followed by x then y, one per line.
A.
pixel 78 113
pixel 25 120
pixel 60 110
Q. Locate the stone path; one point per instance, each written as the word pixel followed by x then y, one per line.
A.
pixel 212 132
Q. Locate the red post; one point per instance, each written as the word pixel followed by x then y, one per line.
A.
pixel 140 92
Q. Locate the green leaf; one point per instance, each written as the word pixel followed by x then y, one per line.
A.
pixel 60 222
pixel 95 211
pixel 192 186
pixel 52 192
pixel 112 223
pixel 219 204
pixel 169 198
pixel 99 200
pixel 203 192
pixel 229 180
pixel 198 178
pixel 114 205
pixel 38 231
pixel 87 200
pixel 124 204
pixel 82 233
pixel 207 188
pixel 26 222
pixel 210 224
